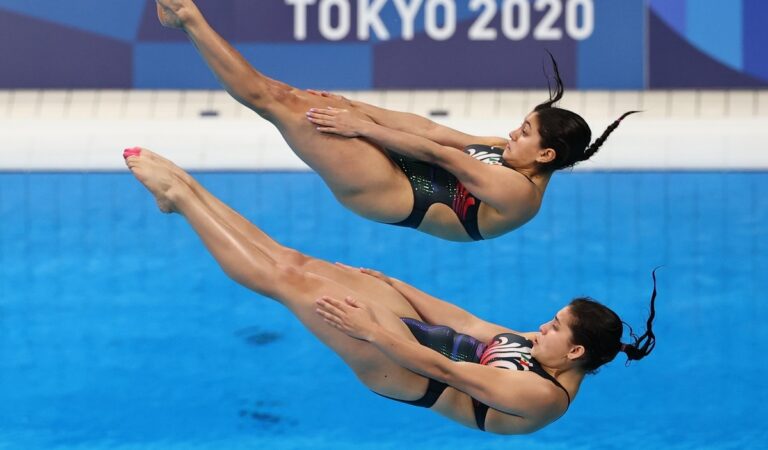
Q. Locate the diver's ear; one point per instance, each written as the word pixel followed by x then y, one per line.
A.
pixel 546 155
pixel 576 352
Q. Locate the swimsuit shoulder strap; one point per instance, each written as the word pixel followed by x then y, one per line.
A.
pixel 549 377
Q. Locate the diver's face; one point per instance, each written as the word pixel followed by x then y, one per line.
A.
pixel 553 344
pixel 524 145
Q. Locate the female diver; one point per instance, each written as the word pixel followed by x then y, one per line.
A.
pixel 399 168
pixel 401 342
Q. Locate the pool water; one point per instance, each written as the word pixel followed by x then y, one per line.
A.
pixel 118 330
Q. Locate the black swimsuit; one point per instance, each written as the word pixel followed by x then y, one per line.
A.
pixel 432 184
pixel 513 352
pixel 506 351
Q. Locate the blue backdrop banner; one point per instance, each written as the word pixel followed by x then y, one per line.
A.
pixel 394 44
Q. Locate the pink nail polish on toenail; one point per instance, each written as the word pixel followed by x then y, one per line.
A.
pixel 128 152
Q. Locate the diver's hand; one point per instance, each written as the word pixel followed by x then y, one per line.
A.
pixel 349 316
pixel 337 121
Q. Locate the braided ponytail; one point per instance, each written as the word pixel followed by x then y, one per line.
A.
pixel 599 330
pixel 565 131
pixel 592 149
pixel 642 346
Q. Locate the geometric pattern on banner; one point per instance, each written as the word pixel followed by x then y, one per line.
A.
pixel 675 63
pixel 117 19
pixel 42 54
pixel 731 33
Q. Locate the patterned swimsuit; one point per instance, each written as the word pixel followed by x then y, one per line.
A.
pixel 506 351
pixel 432 184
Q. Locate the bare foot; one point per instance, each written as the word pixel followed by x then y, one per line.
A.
pixel 175 13
pixel 158 175
pixel 170 165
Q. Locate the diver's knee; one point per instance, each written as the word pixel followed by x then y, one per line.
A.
pixel 294 258
pixel 266 97
pixel 290 280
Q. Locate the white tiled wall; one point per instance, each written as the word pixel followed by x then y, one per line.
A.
pixel 482 102
pixel 208 129
pixel 762 103
pixel 740 103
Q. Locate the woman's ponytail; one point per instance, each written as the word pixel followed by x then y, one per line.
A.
pixel 642 346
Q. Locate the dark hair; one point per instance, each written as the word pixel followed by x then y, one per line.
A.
pixel 599 330
pixel 565 131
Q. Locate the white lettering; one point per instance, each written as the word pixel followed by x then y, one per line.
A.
pixel 344 13
pixel 433 29
pixel 545 30
pixel 407 14
pixel 512 19
pixel 572 19
pixel 523 27
pixel 368 18
pixel 479 31
pixel 300 17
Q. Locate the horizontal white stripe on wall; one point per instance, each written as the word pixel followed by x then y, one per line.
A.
pixel 87 130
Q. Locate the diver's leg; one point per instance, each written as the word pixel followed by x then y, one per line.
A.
pixel 256 268
pixel 284 255
pixel 358 172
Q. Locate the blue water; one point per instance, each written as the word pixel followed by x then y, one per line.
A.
pixel 118 331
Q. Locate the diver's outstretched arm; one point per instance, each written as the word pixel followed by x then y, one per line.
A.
pixel 439 312
pixel 414 124
pixel 422 126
